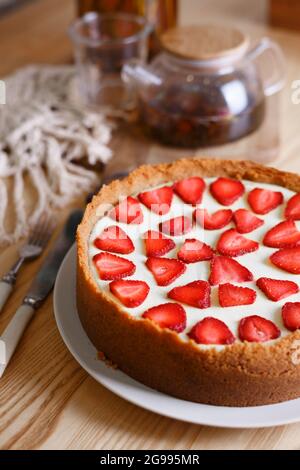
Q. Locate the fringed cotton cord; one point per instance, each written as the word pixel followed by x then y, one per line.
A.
pixel 22 227
pixel 44 135
pixel 3 209
pixel 42 205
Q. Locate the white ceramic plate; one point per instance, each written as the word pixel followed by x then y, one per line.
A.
pixel 84 352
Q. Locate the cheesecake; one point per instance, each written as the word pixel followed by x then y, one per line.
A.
pixel 188 280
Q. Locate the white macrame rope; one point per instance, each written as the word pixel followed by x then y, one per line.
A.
pixel 42 135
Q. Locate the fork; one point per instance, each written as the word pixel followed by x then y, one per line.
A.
pixel 37 241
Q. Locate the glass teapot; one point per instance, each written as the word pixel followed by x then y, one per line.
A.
pixel 207 87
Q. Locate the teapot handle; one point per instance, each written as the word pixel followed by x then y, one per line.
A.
pixel 274 58
pixel 136 72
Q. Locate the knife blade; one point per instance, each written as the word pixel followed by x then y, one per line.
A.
pixel 39 289
pixel 45 278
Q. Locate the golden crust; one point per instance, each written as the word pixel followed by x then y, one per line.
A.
pixel 243 374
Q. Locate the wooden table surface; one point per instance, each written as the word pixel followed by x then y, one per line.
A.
pixel 47 400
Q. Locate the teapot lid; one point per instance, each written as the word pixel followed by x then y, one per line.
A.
pixel 205 42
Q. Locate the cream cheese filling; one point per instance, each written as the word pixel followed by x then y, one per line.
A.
pixel 257 262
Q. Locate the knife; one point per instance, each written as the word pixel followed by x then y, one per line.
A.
pixel 39 289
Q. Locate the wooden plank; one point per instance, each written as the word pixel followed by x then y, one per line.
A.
pixel 36 33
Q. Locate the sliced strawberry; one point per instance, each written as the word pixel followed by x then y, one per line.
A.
pixel 263 201
pixel 157 244
pixel 287 259
pixel 169 315
pixel 165 270
pixel 158 200
pixel 194 250
pixel 114 239
pixel 190 190
pixel 196 294
pixel 225 269
pixel 226 191
pixel 256 329
pixel 111 267
pixel 211 331
pixel 130 293
pixel 283 235
pixel 291 315
pixel 128 211
pixel 292 210
pixel 177 226
pixel 232 243
pixel 230 295
pixel 276 289
pixel 245 221
pixel 213 221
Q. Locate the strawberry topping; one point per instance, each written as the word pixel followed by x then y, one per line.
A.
pixel 245 221
pixel 190 190
pixel 196 294
pixel 231 295
pixel 130 293
pixel 283 235
pixel 291 315
pixel 158 200
pixel 111 267
pixel 213 221
pixel 232 243
pixel 165 270
pixel 276 289
pixel 225 269
pixel 263 201
pixel 177 226
pixel 114 239
pixel 292 210
pixel 287 259
pixel 157 244
pixel 128 211
pixel 169 315
pixel 194 250
pixel 226 191
pixel 211 331
pixel 257 329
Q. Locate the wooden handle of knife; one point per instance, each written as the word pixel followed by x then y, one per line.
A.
pixel 5 291
pixel 14 332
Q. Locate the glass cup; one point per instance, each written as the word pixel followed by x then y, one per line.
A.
pixel 102 45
